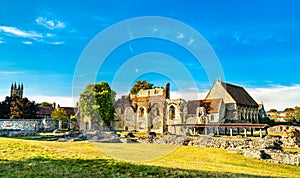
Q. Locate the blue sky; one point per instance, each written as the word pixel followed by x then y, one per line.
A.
pixel 256 42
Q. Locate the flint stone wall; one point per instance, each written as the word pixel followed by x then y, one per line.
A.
pixel 16 127
pixel 268 149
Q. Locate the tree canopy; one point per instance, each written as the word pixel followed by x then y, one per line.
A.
pixel 97 102
pixel 59 113
pixel 17 108
pixel 273 110
pixel 140 85
pixel 45 104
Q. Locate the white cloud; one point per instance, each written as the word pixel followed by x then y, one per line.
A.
pixel 27 42
pixel 61 100
pixel 20 33
pixel 277 97
pixel 180 36
pixel 56 42
pixel 191 41
pixel 50 24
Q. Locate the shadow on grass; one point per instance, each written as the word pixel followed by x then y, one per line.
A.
pixel 43 167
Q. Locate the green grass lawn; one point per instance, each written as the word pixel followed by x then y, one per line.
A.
pixel 26 158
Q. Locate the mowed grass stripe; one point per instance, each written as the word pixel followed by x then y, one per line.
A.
pixel 24 158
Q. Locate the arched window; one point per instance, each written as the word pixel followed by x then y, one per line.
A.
pixel 172 112
pixel 141 111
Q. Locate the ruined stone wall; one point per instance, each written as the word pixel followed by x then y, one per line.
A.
pixel 28 124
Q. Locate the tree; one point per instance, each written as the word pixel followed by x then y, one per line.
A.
pixel 273 110
pixel 45 104
pixel 97 102
pixel 20 108
pixel 290 114
pixel 5 108
pixel 297 114
pixel 140 85
pixel 61 115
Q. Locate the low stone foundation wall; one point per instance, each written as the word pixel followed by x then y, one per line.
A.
pixel 26 127
pixel 268 149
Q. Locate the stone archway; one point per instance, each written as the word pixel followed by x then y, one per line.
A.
pixel 142 119
pixel 129 118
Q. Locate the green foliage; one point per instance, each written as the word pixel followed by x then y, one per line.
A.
pixel 60 114
pixel 17 108
pixel 267 120
pixel 97 102
pixel 297 113
pixel 140 85
pixel 273 110
pixel 45 104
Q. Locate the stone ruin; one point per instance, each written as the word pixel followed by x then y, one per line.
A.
pixel 291 137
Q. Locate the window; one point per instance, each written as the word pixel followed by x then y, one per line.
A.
pixel 172 112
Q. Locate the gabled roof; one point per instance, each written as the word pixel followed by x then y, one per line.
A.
pixel 211 105
pixel 44 110
pixel 239 94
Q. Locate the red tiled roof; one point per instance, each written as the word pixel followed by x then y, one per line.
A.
pixel 44 110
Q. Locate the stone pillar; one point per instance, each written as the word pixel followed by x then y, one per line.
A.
pixel 245 132
pixel 231 132
pixel 260 132
pixel 218 131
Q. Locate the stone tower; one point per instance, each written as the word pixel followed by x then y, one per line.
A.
pixel 16 91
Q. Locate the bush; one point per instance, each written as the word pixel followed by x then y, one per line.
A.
pixel 267 120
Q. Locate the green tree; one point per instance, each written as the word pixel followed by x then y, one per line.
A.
pixel 97 102
pixel 297 114
pixel 21 108
pixel 61 115
pixel 290 114
pixel 140 85
pixel 45 104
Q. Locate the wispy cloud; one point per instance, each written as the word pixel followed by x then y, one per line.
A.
pixel 180 36
pixel 277 97
pixel 11 72
pixel 9 30
pixel 56 42
pixel 50 23
pixel 27 42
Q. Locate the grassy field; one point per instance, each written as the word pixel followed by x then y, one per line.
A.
pixel 25 158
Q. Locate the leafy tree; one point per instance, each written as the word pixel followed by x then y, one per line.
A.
pixel 297 113
pixel 60 114
pixel 21 108
pixel 140 85
pixel 290 114
pixel 45 104
pixel 5 108
pixel 97 102
pixel 273 110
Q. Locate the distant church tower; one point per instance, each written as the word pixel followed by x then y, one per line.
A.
pixel 16 91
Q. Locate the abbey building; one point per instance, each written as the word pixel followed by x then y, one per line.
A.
pixel 153 110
